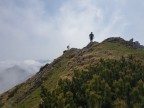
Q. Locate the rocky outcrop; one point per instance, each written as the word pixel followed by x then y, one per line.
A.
pixel 136 44
pixel 114 39
pixel 131 42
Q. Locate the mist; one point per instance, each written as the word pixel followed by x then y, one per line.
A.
pixel 13 73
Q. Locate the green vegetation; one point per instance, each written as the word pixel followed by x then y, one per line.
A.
pixel 27 94
pixel 109 84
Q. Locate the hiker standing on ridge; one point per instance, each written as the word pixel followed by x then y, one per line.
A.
pixel 68 47
pixel 91 36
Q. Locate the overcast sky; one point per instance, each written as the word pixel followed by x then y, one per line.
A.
pixel 41 29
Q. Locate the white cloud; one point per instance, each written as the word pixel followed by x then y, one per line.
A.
pixel 16 72
pixel 30 26
pixel 78 18
pixel 76 21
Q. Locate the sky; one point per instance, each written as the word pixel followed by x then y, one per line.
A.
pixel 41 29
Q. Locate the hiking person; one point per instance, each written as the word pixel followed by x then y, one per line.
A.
pixel 68 47
pixel 91 36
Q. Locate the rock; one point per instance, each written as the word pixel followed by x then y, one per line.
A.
pixel 64 51
pixel 131 40
pixel 137 45
pixel 113 39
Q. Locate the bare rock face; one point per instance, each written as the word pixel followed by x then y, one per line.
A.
pixel 137 45
pixel 131 40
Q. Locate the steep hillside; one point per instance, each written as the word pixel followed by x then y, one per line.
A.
pixel 109 84
pixel 26 95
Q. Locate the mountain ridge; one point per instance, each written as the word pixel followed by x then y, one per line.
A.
pixel 63 67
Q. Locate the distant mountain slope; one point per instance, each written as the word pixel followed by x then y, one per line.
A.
pixel 13 73
pixel 26 95
pixel 13 76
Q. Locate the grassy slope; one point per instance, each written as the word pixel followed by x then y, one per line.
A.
pixel 72 59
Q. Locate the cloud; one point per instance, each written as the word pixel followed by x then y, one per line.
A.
pixel 27 31
pixel 77 20
pixel 42 29
pixel 16 72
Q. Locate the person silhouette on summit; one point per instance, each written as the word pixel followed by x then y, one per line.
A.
pixel 91 36
pixel 68 47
